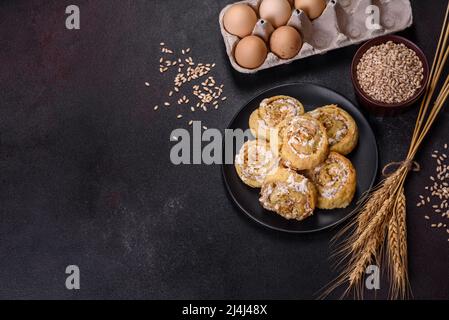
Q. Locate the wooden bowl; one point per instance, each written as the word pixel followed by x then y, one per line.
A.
pixel 377 107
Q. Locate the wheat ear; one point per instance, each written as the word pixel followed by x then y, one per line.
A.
pixel 397 249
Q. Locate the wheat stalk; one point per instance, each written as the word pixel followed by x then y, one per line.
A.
pixel 380 218
pixel 368 209
pixel 377 222
pixel 364 245
pixel 357 271
pixel 397 248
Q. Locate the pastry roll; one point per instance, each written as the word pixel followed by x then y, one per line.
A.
pixel 303 142
pixel 340 127
pixel 289 194
pixel 335 180
pixel 264 121
pixel 255 161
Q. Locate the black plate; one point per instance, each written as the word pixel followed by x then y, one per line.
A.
pixel 364 159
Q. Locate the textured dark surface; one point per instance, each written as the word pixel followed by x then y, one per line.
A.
pixel 85 171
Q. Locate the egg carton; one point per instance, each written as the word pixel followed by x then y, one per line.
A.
pixel 342 23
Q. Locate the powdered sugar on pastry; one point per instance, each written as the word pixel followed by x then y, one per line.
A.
pixel 289 194
pixel 255 161
pixel 335 180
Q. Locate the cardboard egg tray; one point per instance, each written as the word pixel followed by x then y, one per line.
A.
pixel 343 23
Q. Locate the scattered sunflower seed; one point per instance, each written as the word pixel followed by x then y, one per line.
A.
pixel 437 191
pixel 189 71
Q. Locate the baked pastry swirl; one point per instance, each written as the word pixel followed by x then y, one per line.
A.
pixel 335 180
pixel 271 112
pixel 255 161
pixel 304 142
pixel 289 194
pixel 341 128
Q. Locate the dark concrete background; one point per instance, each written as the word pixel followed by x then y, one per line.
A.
pixel 85 176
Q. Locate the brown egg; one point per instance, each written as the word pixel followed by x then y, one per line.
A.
pixel 285 42
pixel 240 20
pixel 251 52
pixel 277 12
pixel 313 8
